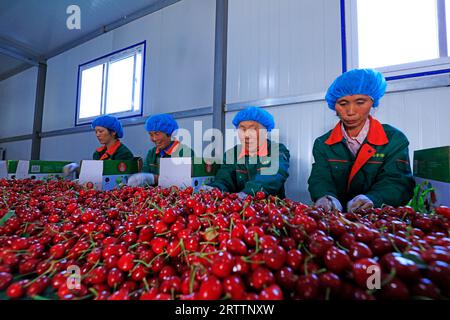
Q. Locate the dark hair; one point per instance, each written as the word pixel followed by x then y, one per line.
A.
pixel 111 133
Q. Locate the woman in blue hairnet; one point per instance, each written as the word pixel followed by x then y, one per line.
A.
pixel 108 131
pixel 258 163
pixel 160 128
pixel 361 163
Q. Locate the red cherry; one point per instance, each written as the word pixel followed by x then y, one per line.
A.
pixel 359 250
pixel 261 277
pixel 286 278
pixel 5 280
pixel 125 262
pixel 425 288
pixel 294 259
pixel 272 292
pixel 331 281
pixel 57 251
pixel 222 264
pixel 234 287
pixel 337 260
pixel 274 257
pixel 439 273
pixel 210 289
pixel 361 273
pixel 404 268
pixel 236 246
pixel 307 287
pixel 394 290
pixel 15 290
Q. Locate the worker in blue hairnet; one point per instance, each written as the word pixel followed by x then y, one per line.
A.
pixel 258 163
pixel 160 127
pixel 108 131
pixel 361 163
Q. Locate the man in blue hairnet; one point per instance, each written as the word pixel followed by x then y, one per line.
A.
pixel 160 127
pixel 257 164
pixel 108 131
pixel 361 163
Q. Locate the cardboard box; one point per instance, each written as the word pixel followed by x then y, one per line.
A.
pixel 203 173
pixel 35 169
pixel 433 165
pixel 184 172
pixel 109 174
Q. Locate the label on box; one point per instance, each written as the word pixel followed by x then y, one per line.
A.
pixel 114 181
pixel 198 182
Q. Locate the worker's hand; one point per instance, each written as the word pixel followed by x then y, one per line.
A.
pixel 328 203
pixel 206 188
pixel 242 195
pixel 141 179
pixel 358 203
pixel 70 168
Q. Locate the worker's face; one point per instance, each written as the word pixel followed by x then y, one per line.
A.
pixel 354 110
pixel 103 135
pixel 160 139
pixel 251 134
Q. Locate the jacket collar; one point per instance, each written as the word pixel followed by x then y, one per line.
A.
pixel 171 149
pixel 376 136
pixel 108 152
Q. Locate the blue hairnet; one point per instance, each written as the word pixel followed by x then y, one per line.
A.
pixel 255 114
pixel 161 122
pixel 109 122
pixel 359 81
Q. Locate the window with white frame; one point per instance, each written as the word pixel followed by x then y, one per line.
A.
pixel 112 85
pixel 395 35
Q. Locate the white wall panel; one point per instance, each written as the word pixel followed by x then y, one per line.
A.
pixel 17 150
pixel 179 62
pixel 17 95
pixel 281 48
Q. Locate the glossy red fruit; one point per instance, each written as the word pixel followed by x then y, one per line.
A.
pixel 286 278
pixel 121 294
pixel 394 290
pixel 294 259
pixel 337 260
pixel 15 290
pixel 404 268
pixel 222 264
pixel 267 242
pixel 363 269
pixel 236 246
pixel 234 287
pixel 439 273
pixel 126 262
pixel 274 257
pixel 5 280
pixel 359 250
pixel 261 277
pixel 307 287
pixel 319 244
pixel 210 289
pixel 425 288
pixel 272 292
pixel 330 281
